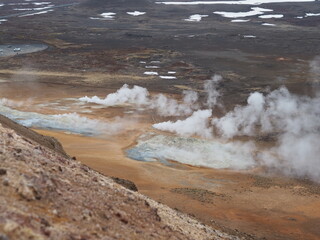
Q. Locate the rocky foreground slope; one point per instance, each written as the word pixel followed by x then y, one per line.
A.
pixel 44 194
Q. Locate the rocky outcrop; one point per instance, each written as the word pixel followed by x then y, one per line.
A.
pixel 27 133
pixel 44 194
pixel 126 183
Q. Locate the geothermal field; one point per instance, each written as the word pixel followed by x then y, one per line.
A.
pixel 209 107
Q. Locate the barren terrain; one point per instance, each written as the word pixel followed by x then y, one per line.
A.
pixel 88 56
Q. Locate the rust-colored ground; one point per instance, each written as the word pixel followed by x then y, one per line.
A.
pixel 271 207
pixel 250 202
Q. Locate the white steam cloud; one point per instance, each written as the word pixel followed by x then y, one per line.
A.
pixel 315 69
pixel 295 155
pixel 196 124
pixel 296 121
pixel 171 107
pixel 210 87
pixel 279 112
pixel 242 120
pixel 140 96
pixel 125 95
pixel 164 105
pixel 293 119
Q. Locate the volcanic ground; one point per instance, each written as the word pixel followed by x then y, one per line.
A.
pixel 54 53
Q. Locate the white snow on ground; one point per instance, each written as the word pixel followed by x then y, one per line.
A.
pixel 271 16
pixel 240 20
pixel 151 73
pixel 23 9
pixel 312 14
pixel 249 36
pixel 171 72
pixel 168 77
pixel 108 15
pixel 308 15
pixel 254 11
pixel 33 9
pixel 40 3
pixel 3 20
pixel 195 18
pixel 36 13
pixel 242 2
pixel 151 66
pixel 268 24
pixel 16 4
pixel 155 62
pixel 136 13
pixel 142 62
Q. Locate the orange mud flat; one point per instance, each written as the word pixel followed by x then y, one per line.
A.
pixel 248 204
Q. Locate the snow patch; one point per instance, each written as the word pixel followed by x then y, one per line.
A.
pixel 249 36
pixel 312 14
pixel 241 2
pixel 108 15
pixel 151 73
pixel 268 24
pixel 254 11
pixel 168 77
pixel 271 16
pixel 151 66
pixel 195 18
pixel 240 20
pixel 36 13
pixel 136 13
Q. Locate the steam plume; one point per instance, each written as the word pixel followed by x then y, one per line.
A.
pixel 136 95
pixel 140 96
pixel 196 124
pixel 315 69
pixel 296 121
pixel 210 88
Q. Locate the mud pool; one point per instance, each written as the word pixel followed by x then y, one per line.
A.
pixel 8 50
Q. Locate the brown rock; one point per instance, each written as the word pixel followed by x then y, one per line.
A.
pixel 3 171
pixel 126 183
